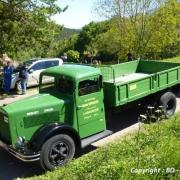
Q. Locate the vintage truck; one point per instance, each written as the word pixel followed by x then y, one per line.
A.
pixel 69 112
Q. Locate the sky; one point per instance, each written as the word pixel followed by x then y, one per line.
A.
pixel 78 14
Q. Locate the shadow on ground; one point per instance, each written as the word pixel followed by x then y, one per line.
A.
pixel 9 95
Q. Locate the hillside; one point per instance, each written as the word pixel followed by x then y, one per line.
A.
pixel 67 33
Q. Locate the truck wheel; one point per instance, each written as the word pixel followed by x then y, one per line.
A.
pixel 57 151
pixel 168 100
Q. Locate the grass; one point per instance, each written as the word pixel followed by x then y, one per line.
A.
pixel 175 59
pixel 155 149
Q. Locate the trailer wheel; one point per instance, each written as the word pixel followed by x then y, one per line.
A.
pixel 57 151
pixel 168 101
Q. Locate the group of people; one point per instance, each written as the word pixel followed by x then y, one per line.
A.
pixel 88 59
pixel 7 73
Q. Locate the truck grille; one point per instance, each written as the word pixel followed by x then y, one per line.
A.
pixel 4 129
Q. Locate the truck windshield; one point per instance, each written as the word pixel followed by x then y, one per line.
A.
pixel 49 83
pixel 65 86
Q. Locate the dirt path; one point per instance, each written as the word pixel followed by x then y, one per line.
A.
pixel 6 99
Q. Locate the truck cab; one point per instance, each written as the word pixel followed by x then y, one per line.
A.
pixel 67 114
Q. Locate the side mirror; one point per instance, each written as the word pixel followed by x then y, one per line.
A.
pixel 31 71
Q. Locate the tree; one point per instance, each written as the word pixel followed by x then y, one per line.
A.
pixel 88 35
pixel 25 25
pixel 165 38
pixel 136 22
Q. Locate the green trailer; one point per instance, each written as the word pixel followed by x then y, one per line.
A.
pixel 127 82
pixel 69 113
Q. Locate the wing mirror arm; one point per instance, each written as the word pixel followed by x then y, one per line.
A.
pixel 30 71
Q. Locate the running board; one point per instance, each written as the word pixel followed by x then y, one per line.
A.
pixel 89 140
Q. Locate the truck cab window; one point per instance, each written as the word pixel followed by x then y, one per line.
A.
pixel 65 86
pixel 88 86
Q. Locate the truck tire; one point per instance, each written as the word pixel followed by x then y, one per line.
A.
pixel 168 101
pixel 57 151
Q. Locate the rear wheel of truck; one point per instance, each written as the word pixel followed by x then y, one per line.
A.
pixel 168 101
pixel 57 151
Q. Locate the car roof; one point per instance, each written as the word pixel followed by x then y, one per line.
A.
pixel 44 59
pixel 73 71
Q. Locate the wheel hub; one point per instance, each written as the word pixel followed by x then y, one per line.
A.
pixel 58 153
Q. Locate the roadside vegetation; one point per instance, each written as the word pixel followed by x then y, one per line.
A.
pixel 151 153
pixel 148 29
pixel 175 59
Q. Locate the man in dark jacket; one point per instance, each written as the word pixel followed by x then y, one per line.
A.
pixel 23 77
pixel 129 57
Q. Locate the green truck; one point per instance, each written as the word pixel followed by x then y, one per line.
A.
pixel 69 113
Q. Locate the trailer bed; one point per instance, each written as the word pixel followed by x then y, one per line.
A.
pixel 131 81
pixel 129 77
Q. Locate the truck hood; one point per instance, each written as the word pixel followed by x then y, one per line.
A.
pixel 39 102
pixel 26 116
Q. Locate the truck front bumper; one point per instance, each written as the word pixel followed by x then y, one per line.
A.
pixel 19 155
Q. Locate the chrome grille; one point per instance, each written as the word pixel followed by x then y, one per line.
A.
pixel 4 128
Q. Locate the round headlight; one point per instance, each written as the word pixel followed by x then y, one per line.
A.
pixel 20 141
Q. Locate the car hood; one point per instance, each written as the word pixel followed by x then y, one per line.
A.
pixel 34 104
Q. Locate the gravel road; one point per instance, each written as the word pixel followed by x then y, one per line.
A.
pixel 122 124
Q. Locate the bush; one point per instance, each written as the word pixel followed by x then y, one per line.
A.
pixel 73 56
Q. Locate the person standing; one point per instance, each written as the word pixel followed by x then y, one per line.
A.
pixel 23 77
pixel 7 71
pixel 64 58
pixel 129 57
pixel 88 59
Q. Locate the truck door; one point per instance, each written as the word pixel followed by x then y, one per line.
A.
pixel 90 106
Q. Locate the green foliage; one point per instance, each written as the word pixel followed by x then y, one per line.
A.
pixel 88 35
pixel 26 29
pixel 73 56
pixel 158 145
pixel 176 59
pixel 145 32
pixel 68 33
pixel 63 45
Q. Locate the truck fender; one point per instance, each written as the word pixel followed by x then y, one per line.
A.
pixel 50 130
